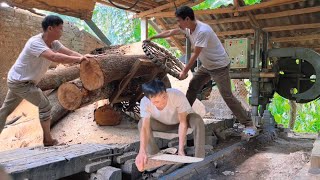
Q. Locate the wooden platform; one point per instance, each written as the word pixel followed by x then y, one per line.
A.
pixel 51 163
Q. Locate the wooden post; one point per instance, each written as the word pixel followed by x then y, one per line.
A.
pixel 293 112
pixel 144 28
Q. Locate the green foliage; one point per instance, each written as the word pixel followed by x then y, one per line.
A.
pixel 308 118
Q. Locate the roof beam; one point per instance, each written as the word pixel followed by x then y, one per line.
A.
pixel 230 9
pixel 173 39
pixel 292 27
pixel 295 38
pixel 228 33
pixel 288 13
pixel 160 8
pixel 108 4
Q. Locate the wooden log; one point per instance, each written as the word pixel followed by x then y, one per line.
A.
pixel 72 95
pixel 106 116
pixel 54 78
pixel 98 72
pixel 57 111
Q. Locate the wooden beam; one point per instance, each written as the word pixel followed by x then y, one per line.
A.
pixel 288 13
pixel 160 8
pixel 228 33
pixel 197 12
pixel 228 20
pixel 77 8
pixel 267 4
pixel 173 39
pixel 230 9
pixel 144 29
pixel 236 6
pixel 296 38
pixel 108 4
pixel 98 32
pixel 254 23
pixel 292 27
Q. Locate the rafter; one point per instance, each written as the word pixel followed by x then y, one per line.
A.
pixel 288 13
pixel 292 27
pixel 160 8
pixel 296 38
pixel 230 9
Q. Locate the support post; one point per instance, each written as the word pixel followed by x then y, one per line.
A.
pixel 98 32
pixel 144 28
pixel 255 79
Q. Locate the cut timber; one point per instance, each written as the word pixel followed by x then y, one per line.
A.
pixel 315 158
pixel 97 73
pixel 72 95
pixel 106 116
pixel 162 159
pixel 54 78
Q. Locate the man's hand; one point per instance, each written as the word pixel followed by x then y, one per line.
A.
pixel 90 56
pixel 141 160
pixel 183 75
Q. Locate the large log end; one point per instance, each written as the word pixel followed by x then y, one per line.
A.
pixel 91 75
pixel 70 96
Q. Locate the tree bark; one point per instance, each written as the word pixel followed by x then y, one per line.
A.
pixel 98 72
pixel 54 78
pixel 293 114
pixel 57 111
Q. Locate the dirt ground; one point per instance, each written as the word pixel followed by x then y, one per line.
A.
pixel 282 159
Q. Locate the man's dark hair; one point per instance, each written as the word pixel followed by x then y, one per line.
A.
pixel 51 20
pixel 185 11
pixel 153 88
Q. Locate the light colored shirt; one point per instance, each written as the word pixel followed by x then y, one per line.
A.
pixel 177 103
pixel 213 54
pixel 30 66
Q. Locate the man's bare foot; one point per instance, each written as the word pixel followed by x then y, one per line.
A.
pixel 53 142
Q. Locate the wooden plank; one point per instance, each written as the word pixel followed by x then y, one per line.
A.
pixel 78 8
pixel 292 27
pixel 295 38
pixel 227 33
pixel 288 13
pixel 160 8
pixel 144 28
pixel 267 4
pixel 51 163
pixel 315 157
pixel 163 159
pixel 228 20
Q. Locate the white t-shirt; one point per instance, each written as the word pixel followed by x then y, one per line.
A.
pixel 30 66
pixel 213 54
pixel 177 103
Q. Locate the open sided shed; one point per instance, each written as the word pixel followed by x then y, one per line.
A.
pixel 288 23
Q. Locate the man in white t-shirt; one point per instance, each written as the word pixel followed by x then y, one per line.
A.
pixel 29 68
pixel 164 110
pixel 214 59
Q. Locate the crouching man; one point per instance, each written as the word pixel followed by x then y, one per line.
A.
pixel 165 110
